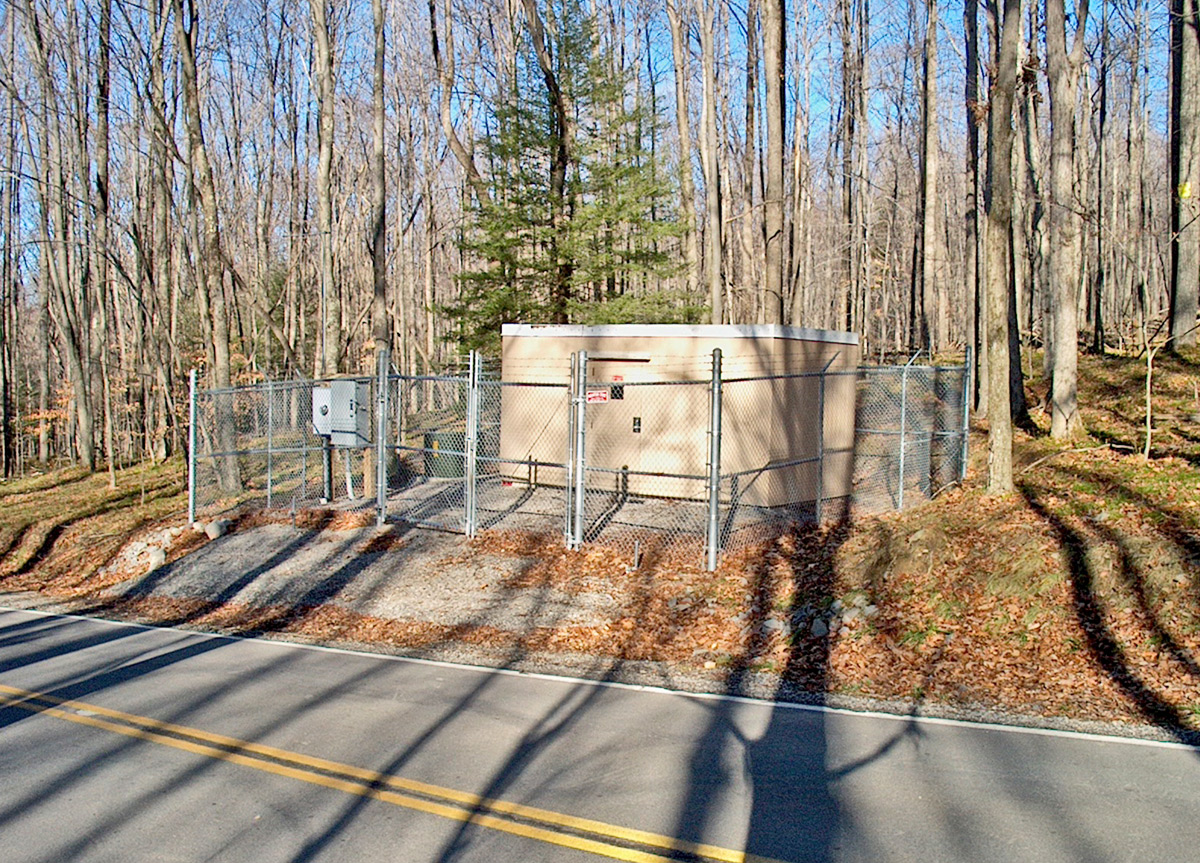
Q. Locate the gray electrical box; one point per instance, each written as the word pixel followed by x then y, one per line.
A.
pixel 342 412
pixel 320 411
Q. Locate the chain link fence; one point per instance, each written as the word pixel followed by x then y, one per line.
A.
pixel 254 447
pixel 691 467
pixel 910 431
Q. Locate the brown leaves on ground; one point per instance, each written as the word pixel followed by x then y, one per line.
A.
pixel 1036 602
pixel 307 519
pixel 384 541
pixel 1079 595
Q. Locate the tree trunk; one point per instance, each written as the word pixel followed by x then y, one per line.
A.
pixel 443 62
pixel 1103 212
pixel 1017 407
pixel 160 230
pixel 1065 214
pixel 928 206
pixel 999 214
pixel 100 266
pixel 849 113
pixel 713 223
pixel 1135 147
pixel 380 325
pixel 210 262
pixel 1036 249
pixel 9 335
pixel 774 52
pixel 852 26
pixel 563 137
pixel 801 230
pixel 327 358
pixel 1185 170
pixel 973 265
pixel 748 282
pixel 687 186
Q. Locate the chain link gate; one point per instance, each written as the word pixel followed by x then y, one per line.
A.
pixel 638 467
pixel 425 449
pixel 520 487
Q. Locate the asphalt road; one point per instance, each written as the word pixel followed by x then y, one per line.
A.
pixel 124 743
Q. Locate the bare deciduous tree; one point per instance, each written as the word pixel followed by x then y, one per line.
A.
pixel 678 17
pixel 928 206
pixel 1066 216
pixel 381 328
pixel 709 158
pixel 774 41
pixel 323 72
pixel 998 196
pixel 210 261
pixel 1185 170
pixel 972 244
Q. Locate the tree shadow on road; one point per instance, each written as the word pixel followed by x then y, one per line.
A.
pixel 779 772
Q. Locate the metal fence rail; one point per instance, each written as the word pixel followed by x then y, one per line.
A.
pixel 688 467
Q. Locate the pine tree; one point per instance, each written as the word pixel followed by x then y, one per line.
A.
pixel 613 237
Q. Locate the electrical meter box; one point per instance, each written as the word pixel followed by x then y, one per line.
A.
pixel 320 411
pixel 342 412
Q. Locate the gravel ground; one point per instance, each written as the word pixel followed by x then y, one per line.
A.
pixel 426 575
pixel 420 577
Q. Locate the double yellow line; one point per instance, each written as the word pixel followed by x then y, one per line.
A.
pixel 555 828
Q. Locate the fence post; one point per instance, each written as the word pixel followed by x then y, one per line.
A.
pixel 305 447
pixel 580 450
pixel 966 412
pixel 192 447
pixel 270 443
pixel 903 421
pixel 471 440
pixel 569 484
pixel 403 394
pixel 326 470
pixel 821 438
pixel 381 412
pixel 714 464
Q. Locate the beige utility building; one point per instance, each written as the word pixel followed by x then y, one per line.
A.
pixel 648 414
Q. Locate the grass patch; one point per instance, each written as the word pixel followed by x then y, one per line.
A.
pixel 58 529
pixel 918 636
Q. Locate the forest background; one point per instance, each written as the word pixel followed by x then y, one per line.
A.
pixel 274 188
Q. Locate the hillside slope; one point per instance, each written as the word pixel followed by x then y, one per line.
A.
pixel 1077 596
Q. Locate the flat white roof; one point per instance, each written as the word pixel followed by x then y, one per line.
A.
pixel 676 331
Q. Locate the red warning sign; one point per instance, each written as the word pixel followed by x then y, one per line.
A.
pixel 597 397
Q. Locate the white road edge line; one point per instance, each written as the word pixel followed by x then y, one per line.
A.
pixel 632 687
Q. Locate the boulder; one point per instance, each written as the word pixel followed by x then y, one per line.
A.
pixel 157 558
